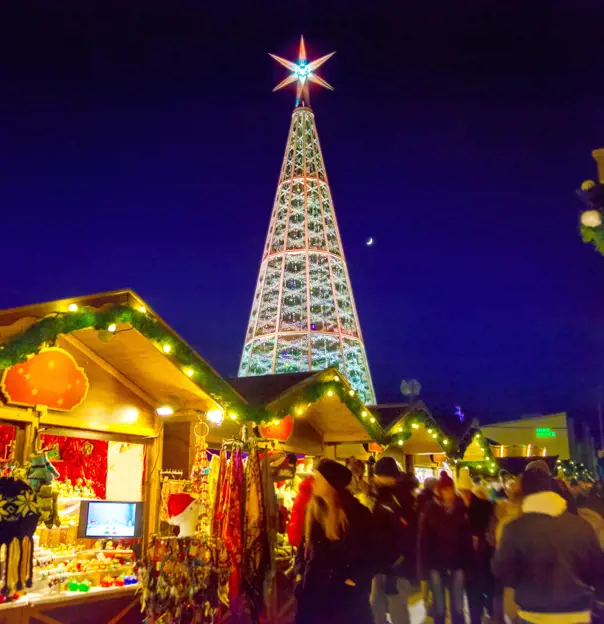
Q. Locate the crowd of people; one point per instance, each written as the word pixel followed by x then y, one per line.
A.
pixel 527 549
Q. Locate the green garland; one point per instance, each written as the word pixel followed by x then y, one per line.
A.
pixel 320 389
pixel 453 449
pixel 46 331
pixel 400 433
pixel 488 465
pixel 569 469
pixel 594 235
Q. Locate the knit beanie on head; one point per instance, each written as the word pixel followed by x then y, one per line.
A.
pixel 539 465
pixel 535 481
pixel 386 467
pixel 338 476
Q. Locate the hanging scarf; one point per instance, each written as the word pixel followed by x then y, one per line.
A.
pixel 231 505
pixel 213 485
pixel 169 487
pixel 255 539
pixel 271 515
pixel 218 497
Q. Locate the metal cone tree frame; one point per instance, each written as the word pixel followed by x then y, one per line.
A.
pixel 303 314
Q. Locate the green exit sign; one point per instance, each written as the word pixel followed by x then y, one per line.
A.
pixel 545 432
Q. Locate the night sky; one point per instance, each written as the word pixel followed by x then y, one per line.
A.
pixel 140 148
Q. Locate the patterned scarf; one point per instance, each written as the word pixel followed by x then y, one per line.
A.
pixel 255 539
pixel 231 529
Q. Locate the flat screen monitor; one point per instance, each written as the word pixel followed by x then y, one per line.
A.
pixel 109 519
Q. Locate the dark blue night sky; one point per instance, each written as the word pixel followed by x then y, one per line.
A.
pixel 140 148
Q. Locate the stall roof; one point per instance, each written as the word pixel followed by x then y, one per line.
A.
pixel 266 388
pixel 392 414
pixel 162 368
pixel 322 399
pixel 127 353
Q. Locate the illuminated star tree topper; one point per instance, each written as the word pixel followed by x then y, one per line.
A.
pixel 303 72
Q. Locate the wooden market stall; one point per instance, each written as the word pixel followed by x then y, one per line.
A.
pixel 418 442
pixel 300 417
pixel 473 449
pixel 82 379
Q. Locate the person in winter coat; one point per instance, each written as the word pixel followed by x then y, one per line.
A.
pixel 395 520
pixel 592 510
pixel 335 560
pixel 445 549
pixel 295 528
pixel 560 487
pixel 505 511
pixel 425 496
pixel 358 486
pixel 479 581
pixel 550 556
pixel 427 493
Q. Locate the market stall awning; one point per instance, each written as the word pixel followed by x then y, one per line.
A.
pixel 412 427
pixel 320 400
pixel 143 357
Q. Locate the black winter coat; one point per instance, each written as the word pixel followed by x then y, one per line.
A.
pixel 324 567
pixel 445 538
pixel 396 524
pixel 551 561
pixel 480 515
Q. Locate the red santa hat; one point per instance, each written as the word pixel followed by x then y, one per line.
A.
pixel 178 503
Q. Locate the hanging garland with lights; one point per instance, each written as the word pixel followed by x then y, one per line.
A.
pixel 453 449
pixel 44 333
pixel 402 432
pixel 488 464
pixel 299 401
pixel 568 469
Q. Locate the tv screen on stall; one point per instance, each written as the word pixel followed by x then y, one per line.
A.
pixel 107 519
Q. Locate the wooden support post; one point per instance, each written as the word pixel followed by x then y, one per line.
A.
pixel 152 487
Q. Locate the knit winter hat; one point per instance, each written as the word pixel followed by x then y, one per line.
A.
pixel 540 465
pixel 535 481
pixel 386 467
pixel 444 481
pixel 338 476
pixel 464 482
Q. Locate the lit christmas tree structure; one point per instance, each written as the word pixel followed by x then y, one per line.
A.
pixel 303 314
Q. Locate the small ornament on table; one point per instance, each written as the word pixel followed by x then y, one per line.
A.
pixel 79 488
pixel 88 489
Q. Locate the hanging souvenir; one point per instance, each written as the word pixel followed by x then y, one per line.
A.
pixel 183 512
pixel 256 558
pixel 231 521
pixel 19 513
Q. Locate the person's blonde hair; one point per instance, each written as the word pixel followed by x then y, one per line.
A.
pixel 329 514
